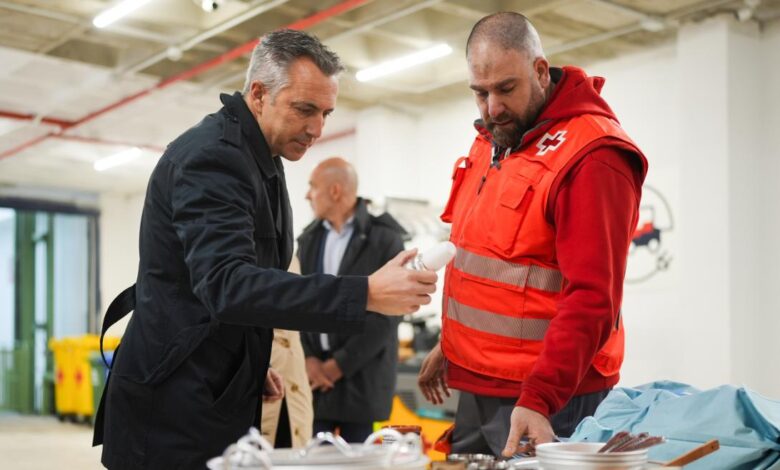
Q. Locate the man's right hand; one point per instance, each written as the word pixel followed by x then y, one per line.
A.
pixel 396 290
pixel 431 380
pixel 317 378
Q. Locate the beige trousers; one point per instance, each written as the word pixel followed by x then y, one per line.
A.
pixel 287 358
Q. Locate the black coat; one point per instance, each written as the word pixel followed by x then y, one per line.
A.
pixel 367 360
pixel 215 241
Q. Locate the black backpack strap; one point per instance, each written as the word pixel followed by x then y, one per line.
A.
pixel 123 304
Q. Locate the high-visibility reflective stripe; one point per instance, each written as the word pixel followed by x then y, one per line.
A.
pixel 520 275
pixel 494 323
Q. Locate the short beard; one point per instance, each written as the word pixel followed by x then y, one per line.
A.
pixel 510 136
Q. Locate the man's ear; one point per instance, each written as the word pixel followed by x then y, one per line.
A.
pixel 257 93
pixel 542 71
pixel 335 191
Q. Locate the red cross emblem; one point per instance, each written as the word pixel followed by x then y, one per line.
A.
pixel 550 142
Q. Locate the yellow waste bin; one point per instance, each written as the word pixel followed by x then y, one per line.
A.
pixel 73 391
pixel 64 376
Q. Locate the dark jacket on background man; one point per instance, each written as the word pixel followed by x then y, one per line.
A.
pixel 216 239
pixel 367 360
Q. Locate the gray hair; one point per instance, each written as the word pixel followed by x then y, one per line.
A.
pixel 508 30
pixel 275 52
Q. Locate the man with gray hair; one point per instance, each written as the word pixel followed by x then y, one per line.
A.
pixel 543 210
pixel 215 243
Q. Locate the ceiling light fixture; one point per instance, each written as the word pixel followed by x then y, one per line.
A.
pixel 404 62
pixel 123 8
pixel 117 159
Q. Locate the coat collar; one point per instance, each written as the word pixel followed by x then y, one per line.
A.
pixel 362 221
pixel 362 217
pixel 237 110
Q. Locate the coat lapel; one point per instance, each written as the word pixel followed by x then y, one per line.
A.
pixel 309 246
pixel 354 248
pixel 359 238
pixel 284 225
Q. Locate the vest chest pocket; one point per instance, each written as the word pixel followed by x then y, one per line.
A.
pixel 514 200
pixel 457 181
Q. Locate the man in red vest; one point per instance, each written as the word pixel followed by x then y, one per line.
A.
pixel 542 212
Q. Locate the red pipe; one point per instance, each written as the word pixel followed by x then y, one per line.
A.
pixel 307 22
pixel 30 117
pixel 25 145
pixel 323 15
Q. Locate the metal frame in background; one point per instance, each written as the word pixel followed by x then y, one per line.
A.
pixel 19 363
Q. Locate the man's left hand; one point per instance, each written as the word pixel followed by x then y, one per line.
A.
pixel 273 389
pixel 526 422
pixel 332 370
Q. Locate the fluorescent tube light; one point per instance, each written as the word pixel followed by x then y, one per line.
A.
pixel 109 15
pixel 117 159
pixel 403 63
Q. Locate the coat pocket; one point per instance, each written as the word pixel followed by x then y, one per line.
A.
pixel 240 386
pixel 127 418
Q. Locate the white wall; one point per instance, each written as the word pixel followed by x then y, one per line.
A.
pixel 768 209
pixel 297 174
pixel 120 221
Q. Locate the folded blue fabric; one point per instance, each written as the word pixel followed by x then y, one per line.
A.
pixel 746 424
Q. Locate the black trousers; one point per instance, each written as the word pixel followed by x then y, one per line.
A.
pixel 482 422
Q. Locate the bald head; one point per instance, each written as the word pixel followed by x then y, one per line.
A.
pixel 507 30
pixel 509 75
pixel 336 170
pixel 333 190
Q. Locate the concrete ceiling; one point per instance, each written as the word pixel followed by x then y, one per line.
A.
pixel 71 93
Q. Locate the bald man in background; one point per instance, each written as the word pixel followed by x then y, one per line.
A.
pixel 352 376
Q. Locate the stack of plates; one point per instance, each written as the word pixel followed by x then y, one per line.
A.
pixel 585 456
pixel 253 452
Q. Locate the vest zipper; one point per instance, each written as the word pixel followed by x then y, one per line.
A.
pixel 495 163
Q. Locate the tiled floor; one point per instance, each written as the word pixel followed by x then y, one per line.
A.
pixel 43 443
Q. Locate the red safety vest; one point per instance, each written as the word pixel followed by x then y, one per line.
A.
pixel 501 290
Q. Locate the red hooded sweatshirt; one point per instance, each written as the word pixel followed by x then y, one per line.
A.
pixel 593 206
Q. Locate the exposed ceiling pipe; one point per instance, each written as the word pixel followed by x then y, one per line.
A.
pixel 586 41
pixel 348 24
pixel 385 19
pixel 621 8
pixel 121 29
pixel 645 22
pixel 245 48
pixel 353 27
pixel 476 15
pixel 200 37
pixel 29 117
pixel 31 10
